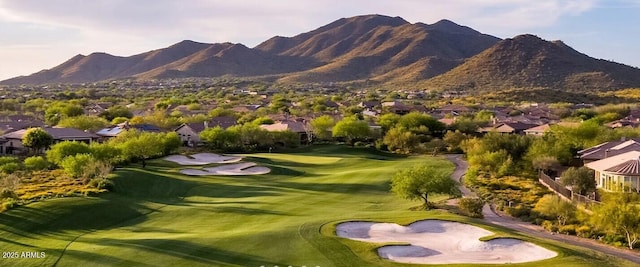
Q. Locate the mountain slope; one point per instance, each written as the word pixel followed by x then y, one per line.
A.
pixel 527 61
pixel 102 66
pixel 383 49
pixel 229 59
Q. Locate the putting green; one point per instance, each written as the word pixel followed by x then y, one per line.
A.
pixel 159 217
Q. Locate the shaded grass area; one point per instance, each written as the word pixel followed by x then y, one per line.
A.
pixel 158 217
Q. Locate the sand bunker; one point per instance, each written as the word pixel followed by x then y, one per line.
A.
pixel 442 242
pixel 245 168
pixel 201 159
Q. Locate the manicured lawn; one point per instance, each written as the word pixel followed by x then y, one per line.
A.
pixel 158 217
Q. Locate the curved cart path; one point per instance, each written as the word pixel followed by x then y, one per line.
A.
pixel 494 217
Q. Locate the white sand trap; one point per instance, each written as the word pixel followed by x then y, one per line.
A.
pixel 245 168
pixel 202 159
pixel 442 242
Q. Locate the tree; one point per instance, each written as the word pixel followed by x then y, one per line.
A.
pixel 422 124
pixel 388 121
pixel 58 110
pixel 400 140
pixel 581 180
pixel 553 206
pixel 61 150
pixel 351 129
pixel 115 112
pixel 618 214
pixel 37 139
pixel 321 127
pixel 454 139
pixel 143 146
pixel 170 142
pixel 105 152
pixel 76 166
pixel 545 163
pixel 218 138
pixel 83 123
pixel 420 181
pixel 36 163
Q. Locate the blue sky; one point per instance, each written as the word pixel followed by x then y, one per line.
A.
pixel 39 34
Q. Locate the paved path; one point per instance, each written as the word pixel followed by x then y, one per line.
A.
pixel 497 218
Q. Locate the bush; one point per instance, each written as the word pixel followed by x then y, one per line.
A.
pixel 519 211
pixel 471 207
pixel 569 229
pixel 101 183
pixel 36 163
pixel 9 168
pixel 76 166
pixel 584 231
pixel 7 193
pixel 8 203
pixel 549 226
pixel 5 160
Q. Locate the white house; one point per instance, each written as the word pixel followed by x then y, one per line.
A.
pixel 617 173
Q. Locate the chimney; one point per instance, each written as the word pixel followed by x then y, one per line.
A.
pixel 606 153
pixel 624 138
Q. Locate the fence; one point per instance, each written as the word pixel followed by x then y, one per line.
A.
pixel 565 192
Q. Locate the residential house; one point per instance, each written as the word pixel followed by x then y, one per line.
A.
pixel 454 109
pixel 538 130
pixel 370 104
pixel 298 127
pixel 618 173
pixel 508 128
pixel 123 127
pixel 396 107
pixel 609 149
pixel 96 108
pixel 12 142
pixel 11 126
pixel 189 133
pixel 623 123
pixel 246 108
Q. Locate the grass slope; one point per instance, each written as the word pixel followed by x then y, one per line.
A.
pixel 158 217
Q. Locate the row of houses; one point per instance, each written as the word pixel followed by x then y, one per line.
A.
pixel 189 133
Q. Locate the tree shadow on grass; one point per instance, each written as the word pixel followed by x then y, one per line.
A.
pixel 275 163
pixel 181 251
pixel 382 187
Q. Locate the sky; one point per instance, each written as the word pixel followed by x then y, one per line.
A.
pixel 37 35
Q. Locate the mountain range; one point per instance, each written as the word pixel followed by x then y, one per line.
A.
pixel 377 48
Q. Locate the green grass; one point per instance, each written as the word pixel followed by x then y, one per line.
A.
pixel 158 217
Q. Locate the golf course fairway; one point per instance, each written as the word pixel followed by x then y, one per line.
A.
pixel 159 217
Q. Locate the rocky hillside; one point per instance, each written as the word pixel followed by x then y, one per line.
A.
pixel 440 56
pixel 527 61
pixel 362 47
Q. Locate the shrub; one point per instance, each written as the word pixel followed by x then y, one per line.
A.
pixel 569 229
pixel 549 226
pixel 36 163
pixel 5 160
pixel 471 207
pixel 76 166
pixel 584 231
pixel 7 193
pixel 101 183
pixel 9 168
pixel 519 211
pixel 8 203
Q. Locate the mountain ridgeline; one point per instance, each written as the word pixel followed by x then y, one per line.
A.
pixel 382 49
